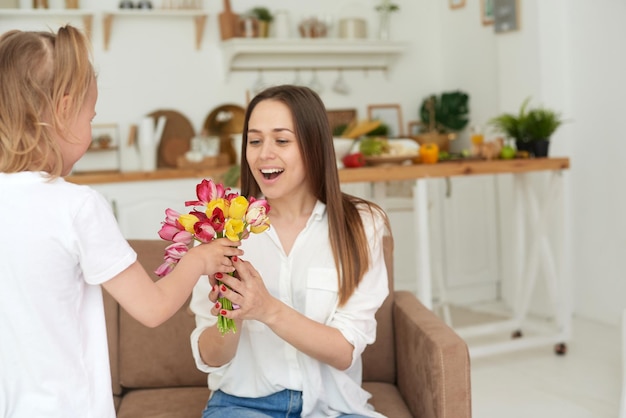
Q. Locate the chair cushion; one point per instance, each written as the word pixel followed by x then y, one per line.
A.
pixel 161 356
pixel 183 402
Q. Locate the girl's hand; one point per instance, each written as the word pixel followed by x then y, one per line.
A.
pixel 215 256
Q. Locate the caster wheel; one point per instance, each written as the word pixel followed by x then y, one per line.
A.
pixel 560 349
pixel 517 334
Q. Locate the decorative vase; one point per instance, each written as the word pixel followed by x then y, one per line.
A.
pixel 540 147
pixel 384 24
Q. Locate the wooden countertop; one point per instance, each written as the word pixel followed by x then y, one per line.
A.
pixel 352 175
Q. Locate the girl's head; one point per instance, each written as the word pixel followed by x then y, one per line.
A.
pixel 47 100
pixel 312 131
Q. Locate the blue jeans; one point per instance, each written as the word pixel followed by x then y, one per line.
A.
pixel 284 404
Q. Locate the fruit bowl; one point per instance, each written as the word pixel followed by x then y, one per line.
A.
pixel 343 146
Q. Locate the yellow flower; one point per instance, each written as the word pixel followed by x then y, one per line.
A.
pixel 233 229
pixel 188 221
pixel 217 203
pixel 259 229
pixel 238 207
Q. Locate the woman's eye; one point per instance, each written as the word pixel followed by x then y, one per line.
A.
pixel 282 141
pixel 253 141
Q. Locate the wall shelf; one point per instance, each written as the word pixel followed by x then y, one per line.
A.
pixel 242 54
pixel 199 18
pixel 86 16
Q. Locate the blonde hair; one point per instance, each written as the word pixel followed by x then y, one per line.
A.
pixel 37 71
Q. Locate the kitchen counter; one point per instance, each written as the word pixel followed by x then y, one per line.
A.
pixel 351 175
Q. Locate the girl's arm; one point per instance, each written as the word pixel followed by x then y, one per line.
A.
pixel 152 303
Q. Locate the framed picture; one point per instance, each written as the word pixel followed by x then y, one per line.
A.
pixel 505 15
pixel 456 4
pixel 486 11
pixel 390 115
pixel 340 118
pixel 103 153
pixel 414 128
pixel 104 137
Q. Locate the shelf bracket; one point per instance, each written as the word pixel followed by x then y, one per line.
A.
pixel 200 22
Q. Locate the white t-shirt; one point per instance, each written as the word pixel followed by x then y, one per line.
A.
pixel 60 241
pixel 306 280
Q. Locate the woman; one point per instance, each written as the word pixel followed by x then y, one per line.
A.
pixel 311 285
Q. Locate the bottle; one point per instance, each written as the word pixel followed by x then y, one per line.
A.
pixel 477 137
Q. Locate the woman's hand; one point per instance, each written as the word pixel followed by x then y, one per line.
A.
pixel 248 291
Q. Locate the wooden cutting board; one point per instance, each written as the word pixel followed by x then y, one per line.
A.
pixel 176 139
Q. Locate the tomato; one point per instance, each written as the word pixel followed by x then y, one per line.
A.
pixel 354 160
pixel 429 153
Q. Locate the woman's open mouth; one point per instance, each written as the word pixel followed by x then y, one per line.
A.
pixel 271 173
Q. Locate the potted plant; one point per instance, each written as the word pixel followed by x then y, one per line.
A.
pixel 531 129
pixel 442 117
pixel 541 123
pixel 264 17
pixel 514 126
pixel 384 9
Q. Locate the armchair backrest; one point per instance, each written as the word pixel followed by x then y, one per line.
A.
pixel 379 359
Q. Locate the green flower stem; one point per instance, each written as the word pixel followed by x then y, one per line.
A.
pixel 225 325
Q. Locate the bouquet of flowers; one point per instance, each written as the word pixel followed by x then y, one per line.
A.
pixel 217 213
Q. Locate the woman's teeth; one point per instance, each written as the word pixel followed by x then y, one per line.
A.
pixel 271 173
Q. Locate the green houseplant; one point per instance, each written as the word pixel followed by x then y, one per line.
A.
pixel 264 17
pixel 541 123
pixel 514 127
pixel 531 129
pixel 442 117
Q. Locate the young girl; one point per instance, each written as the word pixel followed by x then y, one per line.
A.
pixel 311 285
pixel 61 241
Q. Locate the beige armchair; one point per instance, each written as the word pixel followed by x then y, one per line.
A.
pixel 418 367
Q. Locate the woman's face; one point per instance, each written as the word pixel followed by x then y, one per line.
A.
pixel 273 151
pixel 76 144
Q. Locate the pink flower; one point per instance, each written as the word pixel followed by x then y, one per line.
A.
pixel 204 231
pixel 173 253
pixel 217 220
pixel 206 191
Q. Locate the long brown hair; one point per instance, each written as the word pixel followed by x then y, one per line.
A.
pixel 37 70
pixel 345 228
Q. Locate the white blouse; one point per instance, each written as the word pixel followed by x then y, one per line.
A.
pixel 306 280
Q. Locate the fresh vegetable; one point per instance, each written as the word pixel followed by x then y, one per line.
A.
pixel 429 153
pixel 507 152
pixel 354 160
pixel 373 146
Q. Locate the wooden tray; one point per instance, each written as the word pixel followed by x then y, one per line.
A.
pixel 176 139
pixel 390 160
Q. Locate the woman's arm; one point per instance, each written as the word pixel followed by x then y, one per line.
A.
pixel 324 343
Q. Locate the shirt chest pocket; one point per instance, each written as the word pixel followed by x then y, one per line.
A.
pixel 321 293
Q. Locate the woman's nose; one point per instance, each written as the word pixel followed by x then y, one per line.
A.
pixel 267 150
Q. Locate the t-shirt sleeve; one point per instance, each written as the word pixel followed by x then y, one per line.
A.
pixel 102 250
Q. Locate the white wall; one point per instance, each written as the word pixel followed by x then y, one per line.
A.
pixel 567 55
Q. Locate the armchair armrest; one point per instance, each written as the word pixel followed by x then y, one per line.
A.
pixel 433 362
